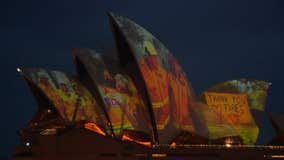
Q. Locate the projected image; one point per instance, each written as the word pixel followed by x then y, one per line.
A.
pixel 122 101
pixel 169 91
pixel 72 100
pixel 255 89
pixel 233 102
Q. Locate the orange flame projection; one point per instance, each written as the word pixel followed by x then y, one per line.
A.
pixel 128 138
pixel 95 128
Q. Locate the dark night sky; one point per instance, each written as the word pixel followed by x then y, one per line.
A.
pixel 214 41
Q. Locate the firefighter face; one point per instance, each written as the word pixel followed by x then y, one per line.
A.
pixel 121 83
pixel 152 62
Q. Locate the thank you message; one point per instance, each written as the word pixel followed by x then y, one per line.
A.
pixel 230 108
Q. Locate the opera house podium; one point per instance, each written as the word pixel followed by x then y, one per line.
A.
pixel 141 105
pixel 84 144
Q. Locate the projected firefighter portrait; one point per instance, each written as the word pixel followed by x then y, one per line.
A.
pixel 156 78
pixel 167 86
pixel 180 88
pixel 121 99
pixel 135 101
pixel 127 99
pixel 113 91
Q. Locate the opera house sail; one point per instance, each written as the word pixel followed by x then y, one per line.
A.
pixel 67 97
pixel 141 105
pixel 121 99
pixel 233 102
pixel 169 92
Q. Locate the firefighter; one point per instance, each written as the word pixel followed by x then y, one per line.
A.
pixel 156 78
pixel 116 101
pixel 182 95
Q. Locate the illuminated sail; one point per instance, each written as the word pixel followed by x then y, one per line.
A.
pixel 255 89
pixel 70 98
pixel 121 99
pixel 47 116
pixel 232 102
pixel 213 126
pixel 163 82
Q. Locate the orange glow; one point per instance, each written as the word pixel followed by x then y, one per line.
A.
pixel 95 128
pixel 277 156
pixel 173 145
pixel 159 155
pixel 228 145
pixel 126 138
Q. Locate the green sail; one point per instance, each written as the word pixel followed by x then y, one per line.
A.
pixel 254 93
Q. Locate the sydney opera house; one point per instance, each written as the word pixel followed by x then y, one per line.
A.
pixel 141 105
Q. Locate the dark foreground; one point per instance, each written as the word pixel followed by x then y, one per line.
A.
pixel 84 144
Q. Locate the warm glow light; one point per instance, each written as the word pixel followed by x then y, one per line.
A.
pixel 229 142
pixel 126 138
pixel 159 155
pixel 228 145
pixel 93 127
pixel 277 156
pixel 173 145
